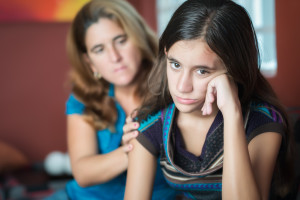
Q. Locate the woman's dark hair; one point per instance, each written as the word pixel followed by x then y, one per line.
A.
pixel 100 110
pixel 227 29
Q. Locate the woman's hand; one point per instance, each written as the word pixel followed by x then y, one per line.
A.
pixel 222 90
pixel 129 132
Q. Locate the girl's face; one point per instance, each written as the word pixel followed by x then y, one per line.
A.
pixel 191 65
pixel 112 53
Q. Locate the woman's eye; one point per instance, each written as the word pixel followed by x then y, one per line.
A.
pixel 175 65
pixel 122 40
pixel 98 50
pixel 201 71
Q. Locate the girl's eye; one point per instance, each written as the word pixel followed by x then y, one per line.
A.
pixel 201 71
pixel 175 65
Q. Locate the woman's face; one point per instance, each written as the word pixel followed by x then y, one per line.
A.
pixel 191 65
pixel 112 53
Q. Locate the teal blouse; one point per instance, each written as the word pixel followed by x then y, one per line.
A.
pixel 107 142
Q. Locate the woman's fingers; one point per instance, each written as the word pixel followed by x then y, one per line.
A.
pixel 134 114
pixel 127 148
pixel 127 137
pixel 129 132
pixel 130 126
pixel 129 119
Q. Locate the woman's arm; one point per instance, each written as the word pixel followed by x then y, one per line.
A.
pixel 89 167
pixel 140 173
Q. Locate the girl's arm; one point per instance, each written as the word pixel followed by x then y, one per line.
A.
pixel 140 173
pixel 247 169
pixel 89 167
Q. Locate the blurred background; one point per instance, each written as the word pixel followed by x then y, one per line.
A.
pixel 34 66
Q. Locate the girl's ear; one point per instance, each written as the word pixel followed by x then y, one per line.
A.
pixel 89 62
pixel 166 53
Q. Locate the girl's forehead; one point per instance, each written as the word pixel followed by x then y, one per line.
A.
pixel 194 52
pixel 191 45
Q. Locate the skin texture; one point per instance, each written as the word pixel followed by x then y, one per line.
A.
pixel 112 54
pixel 200 87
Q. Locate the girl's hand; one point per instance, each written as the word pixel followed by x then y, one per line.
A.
pixel 222 90
pixel 129 132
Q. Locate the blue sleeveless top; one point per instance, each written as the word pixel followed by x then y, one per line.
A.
pixel 107 142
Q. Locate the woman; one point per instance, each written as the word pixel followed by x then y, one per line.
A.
pixel 216 123
pixel 111 50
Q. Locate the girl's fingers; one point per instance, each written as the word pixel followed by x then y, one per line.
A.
pixel 209 99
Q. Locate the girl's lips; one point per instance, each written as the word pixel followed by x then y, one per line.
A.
pixel 185 101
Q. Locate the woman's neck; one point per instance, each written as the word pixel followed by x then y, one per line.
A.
pixel 127 98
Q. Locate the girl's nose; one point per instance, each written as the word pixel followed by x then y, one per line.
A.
pixel 184 83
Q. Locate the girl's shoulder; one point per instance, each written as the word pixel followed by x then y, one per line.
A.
pixel 262 118
pixel 265 110
pixel 150 121
pixel 156 118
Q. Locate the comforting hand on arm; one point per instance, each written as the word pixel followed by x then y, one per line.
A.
pixel 247 169
pixel 130 132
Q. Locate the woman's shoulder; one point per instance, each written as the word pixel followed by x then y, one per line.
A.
pixel 74 105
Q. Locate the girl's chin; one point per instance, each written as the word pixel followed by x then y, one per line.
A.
pixel 187 108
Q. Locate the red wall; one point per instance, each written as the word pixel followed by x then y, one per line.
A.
pixel 287 81
pixel 147 8
pixel 32 75
pixel 33 70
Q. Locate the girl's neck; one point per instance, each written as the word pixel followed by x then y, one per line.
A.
pixel 194 128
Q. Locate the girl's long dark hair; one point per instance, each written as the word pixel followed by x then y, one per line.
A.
pixel 227 29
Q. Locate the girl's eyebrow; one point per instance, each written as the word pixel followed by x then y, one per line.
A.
pixel 196 66
pixel 173 59
pixel 114 39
